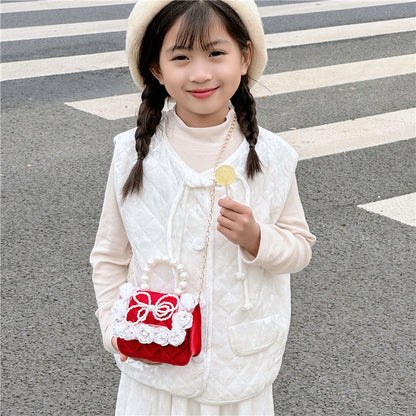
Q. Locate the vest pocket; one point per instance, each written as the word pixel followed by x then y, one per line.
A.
pixel 252 337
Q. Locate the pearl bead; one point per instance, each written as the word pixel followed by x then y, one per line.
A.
pixel 183 275
pixel 247 306
pixel 144 286
pixel 165 259
pixel 180 268
pixel 183 284
pixel 173 262
pixel 151 262
pixel 178 291
pixel 144 278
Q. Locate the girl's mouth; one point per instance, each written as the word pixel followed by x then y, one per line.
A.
pixel 202 93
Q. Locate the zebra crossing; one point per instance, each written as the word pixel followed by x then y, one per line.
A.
pixel 70 35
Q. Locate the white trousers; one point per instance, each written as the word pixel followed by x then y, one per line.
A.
pixel 136 399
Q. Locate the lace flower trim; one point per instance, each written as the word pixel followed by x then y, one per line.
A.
pixel 146 333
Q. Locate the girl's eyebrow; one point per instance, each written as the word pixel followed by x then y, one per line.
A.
pixel 207 45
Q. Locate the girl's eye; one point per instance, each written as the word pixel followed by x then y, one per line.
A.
pixel 216 53
pixel 180 58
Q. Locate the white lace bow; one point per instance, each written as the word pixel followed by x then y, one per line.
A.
pixel 162 310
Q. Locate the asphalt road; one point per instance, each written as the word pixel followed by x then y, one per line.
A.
pixel 351 345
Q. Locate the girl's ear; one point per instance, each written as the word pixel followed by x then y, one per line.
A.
pixel 246 56
pixel 155 70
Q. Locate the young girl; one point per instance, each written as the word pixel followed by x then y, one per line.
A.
pixel 204 56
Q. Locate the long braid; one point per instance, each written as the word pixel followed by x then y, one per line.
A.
pixel 150 113
pixel 245 108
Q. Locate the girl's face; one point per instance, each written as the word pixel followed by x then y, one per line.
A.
pixel 202 81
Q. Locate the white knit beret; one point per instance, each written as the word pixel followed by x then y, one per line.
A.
pixel 145 10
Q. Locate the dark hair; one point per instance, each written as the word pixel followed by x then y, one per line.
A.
pixel 197 16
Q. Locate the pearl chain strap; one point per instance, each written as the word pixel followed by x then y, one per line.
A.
pixel 180 273
pixel 211 209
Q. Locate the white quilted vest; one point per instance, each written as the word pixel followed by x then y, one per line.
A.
pixel 241 349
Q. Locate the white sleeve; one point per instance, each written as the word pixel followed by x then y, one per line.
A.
pixel 109 258
pixel 285 247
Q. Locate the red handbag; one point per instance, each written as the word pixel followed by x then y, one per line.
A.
pixel 159 327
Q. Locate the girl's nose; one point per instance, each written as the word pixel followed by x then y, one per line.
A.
pixel 200 72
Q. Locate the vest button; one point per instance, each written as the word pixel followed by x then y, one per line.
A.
pixel 198 244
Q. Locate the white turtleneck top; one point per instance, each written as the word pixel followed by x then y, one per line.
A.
pixel 285 246
pixel 199 147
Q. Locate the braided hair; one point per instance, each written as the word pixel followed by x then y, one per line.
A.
pixel 245 109
pixel 150 113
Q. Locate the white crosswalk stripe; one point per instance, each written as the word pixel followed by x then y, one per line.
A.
pixel 400 208
pixel 41 5
pixel 324 6
pixel 337 33
pixel 62 65
pixel 312 142
pixel 348 135
pixel 307 79
pixel 63 30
